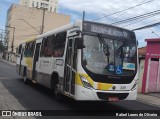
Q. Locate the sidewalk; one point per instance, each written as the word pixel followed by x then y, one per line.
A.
pixel 11 63
pixel 8 101
pixel 151 98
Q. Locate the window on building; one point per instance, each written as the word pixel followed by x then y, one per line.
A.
pixel 37 5
pixel 55 9
pixel 50 9
pixel 29 49
pixel 25 4
pixel 32 3
pixel 44 5
pixel 59 47
pixel 46 0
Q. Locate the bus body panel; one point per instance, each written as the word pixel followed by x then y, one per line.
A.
pixel 47 66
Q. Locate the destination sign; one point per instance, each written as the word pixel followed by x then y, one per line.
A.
pixel 106 29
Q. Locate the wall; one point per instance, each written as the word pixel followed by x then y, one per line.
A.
pixel 24 18
pixel 152 51
pixel 140 77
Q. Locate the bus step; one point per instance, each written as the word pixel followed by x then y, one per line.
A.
pixel 33 81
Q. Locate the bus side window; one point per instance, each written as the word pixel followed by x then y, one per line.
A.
pixel 50 45
pixel 43 47
pixel 59 46
pixel 26 49
pixel 29 49
pixel 18 50
pixel 47 46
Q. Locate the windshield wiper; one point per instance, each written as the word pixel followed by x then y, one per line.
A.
pixel 105 46
pixel 120 48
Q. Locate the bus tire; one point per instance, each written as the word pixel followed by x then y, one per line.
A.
pixel 57 93
pixel 25 80
pixel 55 88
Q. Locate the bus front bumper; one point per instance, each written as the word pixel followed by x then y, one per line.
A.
pixel 84 94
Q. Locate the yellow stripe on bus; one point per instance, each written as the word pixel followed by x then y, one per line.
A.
pixel 29 61
pixel 78 80
pixel 100 86
pixel 104 86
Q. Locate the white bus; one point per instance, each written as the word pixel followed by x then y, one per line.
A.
pixel 84 61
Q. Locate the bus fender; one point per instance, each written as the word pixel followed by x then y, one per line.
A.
pixel 54 79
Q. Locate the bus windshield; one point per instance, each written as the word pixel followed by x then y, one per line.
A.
pixel 109 57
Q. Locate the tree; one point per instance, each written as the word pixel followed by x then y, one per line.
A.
pixel 2 48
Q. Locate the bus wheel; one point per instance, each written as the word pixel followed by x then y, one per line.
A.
pixel 25 80
pixel 57 93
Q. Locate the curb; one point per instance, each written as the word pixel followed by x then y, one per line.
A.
pixel 14 64
pixel 149 103
pixel 148 99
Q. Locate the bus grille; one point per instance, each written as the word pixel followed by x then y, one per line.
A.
pixel 105 96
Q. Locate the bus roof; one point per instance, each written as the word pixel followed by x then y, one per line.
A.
pixel 54 31
pixel 64 28
pixel 29 40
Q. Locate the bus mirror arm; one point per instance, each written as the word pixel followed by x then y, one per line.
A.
pixel 79 43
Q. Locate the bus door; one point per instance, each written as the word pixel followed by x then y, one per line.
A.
pixel 21 58
pixel 70 67
pixel 35 60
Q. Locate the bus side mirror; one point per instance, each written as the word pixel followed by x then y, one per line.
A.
pixel 137 43
pixel 70 43
pixel 79 43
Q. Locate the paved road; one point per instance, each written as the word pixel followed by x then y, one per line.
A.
pixel 39 98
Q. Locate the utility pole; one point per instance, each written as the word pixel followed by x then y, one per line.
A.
pixel 1 36
pixel 42 30
pixel 12 44
pixel 83 15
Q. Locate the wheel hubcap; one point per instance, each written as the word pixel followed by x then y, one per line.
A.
pixel 56 89
pixel 25 79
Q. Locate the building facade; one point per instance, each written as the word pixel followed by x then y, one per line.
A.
pixel 50 5
pixel 24 22
pixel 141 56
pixel 151 75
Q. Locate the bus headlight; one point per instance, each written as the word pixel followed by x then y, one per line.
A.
pixel 85 82
pixel 134 86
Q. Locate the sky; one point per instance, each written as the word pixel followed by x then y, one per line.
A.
pixel 95 9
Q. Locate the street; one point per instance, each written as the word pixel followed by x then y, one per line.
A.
pixel 35 97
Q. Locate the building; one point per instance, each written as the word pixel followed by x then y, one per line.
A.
pixel 25 22
pixel 151 75
pixel 50 5
pixel 141 56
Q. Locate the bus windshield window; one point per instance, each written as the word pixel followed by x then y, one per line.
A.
pixel 108 57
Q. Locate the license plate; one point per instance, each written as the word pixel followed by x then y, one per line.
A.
pixel 113 99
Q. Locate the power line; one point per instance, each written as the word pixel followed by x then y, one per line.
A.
pixel 156 34
pixel 147 26
pixel 123 10
pixel 26 28
pixel 29 25
pixel 134 22
pixel 26 35
pixel 137 22
pixel 146 15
